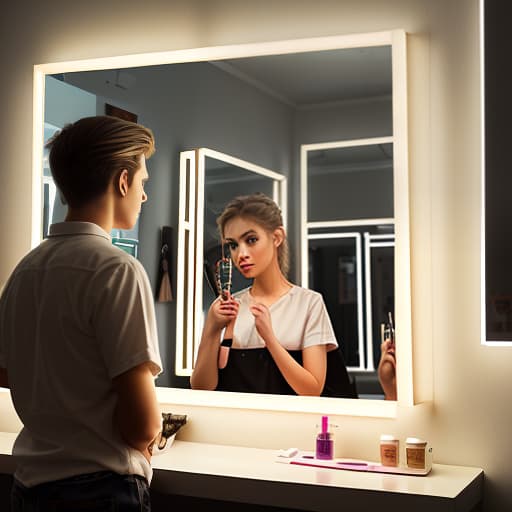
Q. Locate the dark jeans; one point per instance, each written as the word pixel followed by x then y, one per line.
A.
pixel 99 492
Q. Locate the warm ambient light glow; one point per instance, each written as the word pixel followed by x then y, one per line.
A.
pixel 334 406
pixel 309 404
pixel 37 157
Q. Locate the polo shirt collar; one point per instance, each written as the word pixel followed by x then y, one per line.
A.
pixel 77 228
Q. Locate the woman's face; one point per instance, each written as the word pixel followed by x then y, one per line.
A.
pixel 252 248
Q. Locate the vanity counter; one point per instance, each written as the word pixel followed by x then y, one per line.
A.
pixel 252 475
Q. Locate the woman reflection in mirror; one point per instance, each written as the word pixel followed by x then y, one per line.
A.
pixel 282 338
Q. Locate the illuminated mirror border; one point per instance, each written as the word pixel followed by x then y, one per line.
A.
pixel 331 229
pixel 397 40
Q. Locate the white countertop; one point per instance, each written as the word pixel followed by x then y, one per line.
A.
pixel 252 475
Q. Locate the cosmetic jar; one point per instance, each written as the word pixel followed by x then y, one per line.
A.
pixel 415 451
pixel 389 450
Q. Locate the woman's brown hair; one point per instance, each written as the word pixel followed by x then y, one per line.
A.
pixel 265 212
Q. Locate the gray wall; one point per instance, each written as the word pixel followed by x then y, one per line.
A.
pixel 348 120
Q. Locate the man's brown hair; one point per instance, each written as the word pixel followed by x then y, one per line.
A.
pixel 86 155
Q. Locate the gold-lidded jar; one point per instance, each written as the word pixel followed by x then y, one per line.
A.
pixel 416 453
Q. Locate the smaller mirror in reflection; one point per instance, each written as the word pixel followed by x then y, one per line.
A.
pixel 280 335
pixel 350 248
pixel 353 268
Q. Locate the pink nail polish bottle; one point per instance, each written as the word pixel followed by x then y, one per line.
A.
pixel 324 441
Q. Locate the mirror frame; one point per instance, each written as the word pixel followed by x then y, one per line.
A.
pixel 338 406
pixel 189 306
pixel 365 345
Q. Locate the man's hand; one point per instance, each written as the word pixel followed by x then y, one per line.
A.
pixel 387 369
pixel 137 415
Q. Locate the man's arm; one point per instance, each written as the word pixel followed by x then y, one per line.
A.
pixel 387 370
pixel 4 381
pixel 137 415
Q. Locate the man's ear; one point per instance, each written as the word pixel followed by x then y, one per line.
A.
pixel 279 236
pixel 121 183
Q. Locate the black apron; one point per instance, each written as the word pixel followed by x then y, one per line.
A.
pixel 254 371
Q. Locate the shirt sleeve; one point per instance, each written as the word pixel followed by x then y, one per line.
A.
pixel 318 329
pixel 3 357
pixel 4 331
pixel 124 319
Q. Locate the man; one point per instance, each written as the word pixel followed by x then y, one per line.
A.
pixel 78 338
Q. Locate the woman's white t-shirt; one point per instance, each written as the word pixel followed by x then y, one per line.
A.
pixel 299 320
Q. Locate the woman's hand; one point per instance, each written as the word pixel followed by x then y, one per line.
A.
pixel 221 313
pixel 262 321
pixel 387 369
pixel 306 379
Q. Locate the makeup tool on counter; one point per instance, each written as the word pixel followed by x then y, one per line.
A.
pixel 171 423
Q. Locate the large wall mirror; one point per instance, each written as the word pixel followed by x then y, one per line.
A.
pixel 228 119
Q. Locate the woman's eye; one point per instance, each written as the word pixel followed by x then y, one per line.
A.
pixel 232 245
pixel 252 240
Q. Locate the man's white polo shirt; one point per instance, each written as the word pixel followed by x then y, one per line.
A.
pixel 76 312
